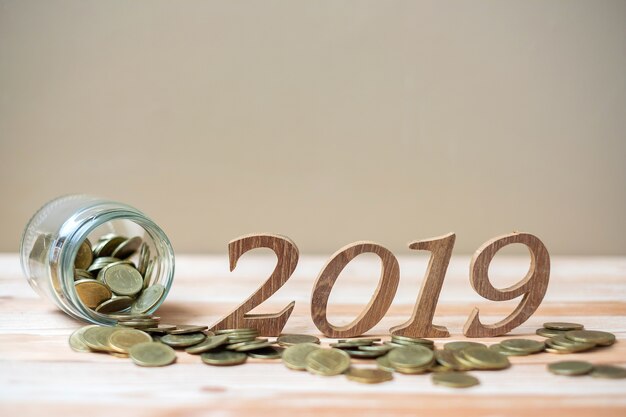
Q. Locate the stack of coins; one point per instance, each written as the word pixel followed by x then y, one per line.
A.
pixel 564 338
pixel 147 342
pixel 578 368
pixel 107 281
pixel 401 354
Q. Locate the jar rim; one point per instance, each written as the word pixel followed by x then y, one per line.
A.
pixel 77 228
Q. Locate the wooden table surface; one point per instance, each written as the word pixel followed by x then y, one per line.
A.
pixel 41 375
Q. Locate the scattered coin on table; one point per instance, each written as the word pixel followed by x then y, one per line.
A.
pixel 142 338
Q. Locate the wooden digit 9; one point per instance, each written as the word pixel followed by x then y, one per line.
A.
pixel 378 304
pixel 533 287
pixel 287 258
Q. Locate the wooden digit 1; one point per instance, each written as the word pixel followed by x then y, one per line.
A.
pixel 533 287
pixel 287 253
pixel 421 322
pixel 378 304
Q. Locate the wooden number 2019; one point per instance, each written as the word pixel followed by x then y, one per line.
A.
pixel 532 287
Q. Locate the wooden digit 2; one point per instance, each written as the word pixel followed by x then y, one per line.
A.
pixel 533 287
pixel 421 322
pixel 287 253
pixel 378 304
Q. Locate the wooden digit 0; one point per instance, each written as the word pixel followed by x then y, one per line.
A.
pixel 378 304
pixel 533 287
pixel 287 253
pixel 421 322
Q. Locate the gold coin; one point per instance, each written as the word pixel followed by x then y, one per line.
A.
pixel 183 340
pixel 496 347
pixel 557 342
pixel 144 258
pixel 270 352
pixel 294 339
pixel 439 368
pixel 127 248
pixel 115 304
pixel 129 316
pixel 147 319
pixel 104 248
pixel 234 346
pixel 148 299
pixel 554 347
pixel 147 277
pixel 408 357
pixel 84 256
pixel 240 339
pixel 418 340
pixel 188 328
pixel 349 345
pixel 454 379
pixel 564 326
pixel 458 355
pixel 523 345
pixel 82 274
pixel 483 358
pixel 608 371
pixel 91 292
pixel 123 279
pixel 327 362
pixel 565 342
pixel 101 272
pixel 209 343
pixel 160 329
pixel 462 345
pixel 76 339
pixel 549 332
pixel 294 357
pixel 382 362
pixel 364 354
pixel 365 340
pixel 570 368
pixel 223 358
pixel 123 339
pixel 591 336
pixel 376 348
pixel 394 344
pixel 368 376
pixel 135 325
pixel 97 338
pixel 252 346
pixel 447 358
pixel 152 354
pixel 242 330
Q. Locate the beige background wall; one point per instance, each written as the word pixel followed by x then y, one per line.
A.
pixel 328 121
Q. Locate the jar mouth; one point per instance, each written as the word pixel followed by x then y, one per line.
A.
pixel 77 228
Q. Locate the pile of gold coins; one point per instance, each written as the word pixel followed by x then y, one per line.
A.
pixel 107 281
pixel 147 342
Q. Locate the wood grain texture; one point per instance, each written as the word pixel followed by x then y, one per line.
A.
pixel 287 259
pixel 533 286
pixel 378 304
pixel 41 375
pixel 421 322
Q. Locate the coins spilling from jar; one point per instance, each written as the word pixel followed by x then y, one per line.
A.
pixel 107 281
pixel 148 342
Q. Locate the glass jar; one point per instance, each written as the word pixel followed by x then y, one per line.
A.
pixel 55 233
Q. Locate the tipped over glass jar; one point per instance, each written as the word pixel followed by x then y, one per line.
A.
pixel 97 260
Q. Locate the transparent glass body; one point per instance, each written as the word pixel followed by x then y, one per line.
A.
pixel 54 234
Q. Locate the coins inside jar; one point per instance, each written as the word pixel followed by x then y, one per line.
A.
pixel 114 275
